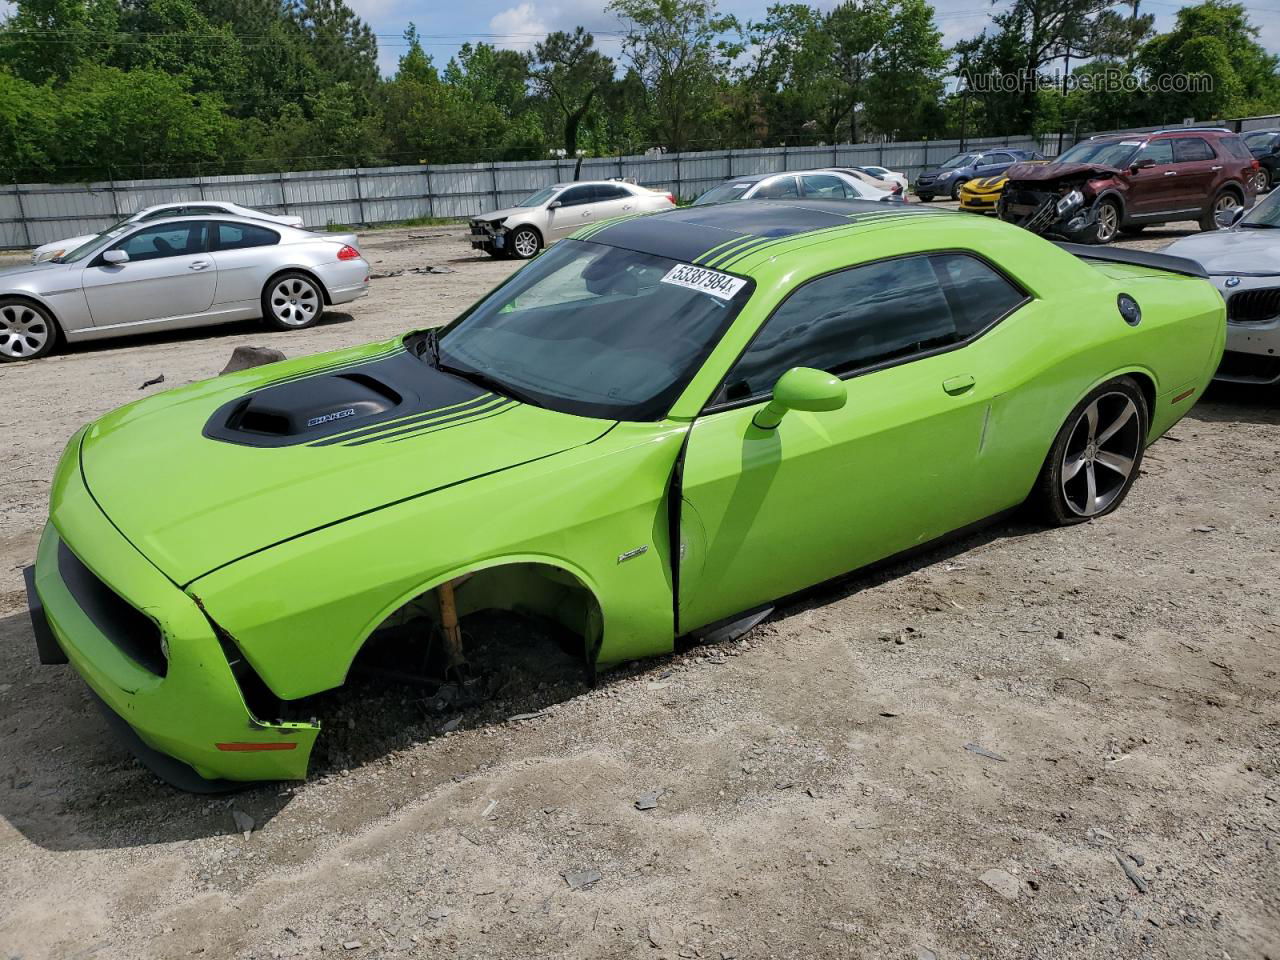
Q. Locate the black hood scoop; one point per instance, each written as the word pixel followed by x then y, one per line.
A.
pixel 334 400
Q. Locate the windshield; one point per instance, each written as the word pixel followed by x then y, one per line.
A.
pixel 1259 141
pixel 959 160
pixel 1110 153
pixel 595 331
pixel 726 191
pixel 93 243
pixel 539 198
pixel 1265 213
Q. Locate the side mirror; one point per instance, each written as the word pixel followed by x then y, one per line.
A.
pixel 1229 217
pixel 115 257
pixel 802 388
pixel 1142 164
pixel 554 205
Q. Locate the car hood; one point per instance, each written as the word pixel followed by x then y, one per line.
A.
pixel 503 214
pixel 13 273
pixel 1237 251
pixel 1027 171
pixel 201 476
pixel 68 244
pixel 938 172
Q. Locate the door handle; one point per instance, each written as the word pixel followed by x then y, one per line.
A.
pixel 198 264
pixel 958 385
pixel 1217 168
pixel 1171 173
pixel 626 206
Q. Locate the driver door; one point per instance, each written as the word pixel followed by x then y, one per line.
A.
pixel 576 210
pixel 768 512
pixel 169 274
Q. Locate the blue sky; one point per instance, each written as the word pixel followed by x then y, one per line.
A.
pixel 518 23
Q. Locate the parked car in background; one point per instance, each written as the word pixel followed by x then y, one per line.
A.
pixel 185 208
pixel 657 429
pixel 1265 147
pixel 1243 261
pixel 884 173
pixel 983 195
pixel 1121 183
pixel 794 185
pixel 891 187
pixel 176 273
pixel 946 179
pixel 554 212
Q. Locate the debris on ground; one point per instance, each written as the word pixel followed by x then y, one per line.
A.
pixel 154 381
pixel 984 752
pixel 581 879
pixel 647 801
pixel 243 822
pixel 1132 873
pixel 1002 882
pixel 242 358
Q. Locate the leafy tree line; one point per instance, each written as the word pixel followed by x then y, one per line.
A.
pixel 144 88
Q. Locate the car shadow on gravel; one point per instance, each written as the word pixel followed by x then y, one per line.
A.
pixel 68 784
pixel 217 332
pixel 1238 403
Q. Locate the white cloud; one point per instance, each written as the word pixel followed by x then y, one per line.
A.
pixel 519 28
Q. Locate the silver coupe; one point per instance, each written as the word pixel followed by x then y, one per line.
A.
pixel 176 273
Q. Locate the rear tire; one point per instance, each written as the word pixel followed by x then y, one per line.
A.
pixel 27 330
pixel 292 301
pixel 1095 457
pixel 1225 200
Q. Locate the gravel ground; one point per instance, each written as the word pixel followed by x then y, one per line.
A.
pixel 1028 744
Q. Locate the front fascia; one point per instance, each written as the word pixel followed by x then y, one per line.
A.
pixel 160 709
pixel 300 611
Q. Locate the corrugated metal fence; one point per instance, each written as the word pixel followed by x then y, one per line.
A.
pixel 36 213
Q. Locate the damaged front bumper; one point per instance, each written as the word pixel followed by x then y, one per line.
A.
pixel 488 235
pixel 148 652
pixel 1065 214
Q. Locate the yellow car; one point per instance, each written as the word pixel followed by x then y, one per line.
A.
pixel 982 195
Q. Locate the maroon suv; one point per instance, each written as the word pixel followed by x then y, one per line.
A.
pixel 1120 183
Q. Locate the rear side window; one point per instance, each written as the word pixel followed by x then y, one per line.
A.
pixel 607 191
pixel 1187 149
pixel 1236 148
pixel 237 236
pixel 779 189
pixel 996 158
pixel 823 186
pixel 874 314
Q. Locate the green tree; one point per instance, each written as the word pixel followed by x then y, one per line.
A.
pixel 677 48
pixel 570 73
pixel 47 39
pixel 28 127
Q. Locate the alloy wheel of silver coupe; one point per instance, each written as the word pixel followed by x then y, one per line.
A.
pixel 294 301
pixel 525 243
pixel 1100 454
pixel 1108 223
pixel 24 331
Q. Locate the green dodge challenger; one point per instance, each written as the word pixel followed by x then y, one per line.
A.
pixel 656 428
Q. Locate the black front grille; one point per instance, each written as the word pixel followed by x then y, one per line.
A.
pixel 1254 306
pixel 136 634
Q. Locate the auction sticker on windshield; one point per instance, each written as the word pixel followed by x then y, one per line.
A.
pixel 704 281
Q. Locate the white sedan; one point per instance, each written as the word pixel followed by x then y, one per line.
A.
pixel 810 184
pixel 187 208
pixel 884 173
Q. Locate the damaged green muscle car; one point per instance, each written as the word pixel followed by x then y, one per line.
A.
pixel 654 429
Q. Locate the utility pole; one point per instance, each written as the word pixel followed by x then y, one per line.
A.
pixel 964 97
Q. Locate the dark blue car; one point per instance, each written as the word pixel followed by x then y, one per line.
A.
pixel 946 178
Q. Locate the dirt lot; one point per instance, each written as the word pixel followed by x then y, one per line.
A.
pixel 1084 712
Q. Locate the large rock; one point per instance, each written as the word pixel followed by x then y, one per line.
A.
pixel 242 358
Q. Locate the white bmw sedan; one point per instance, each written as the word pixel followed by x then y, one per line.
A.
pixel 176 273
pixel 163 211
